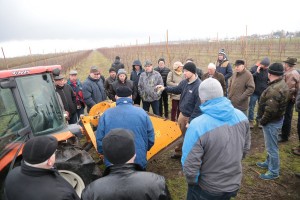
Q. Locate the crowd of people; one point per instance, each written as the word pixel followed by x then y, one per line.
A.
pixel 214 110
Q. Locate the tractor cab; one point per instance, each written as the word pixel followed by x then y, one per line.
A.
pixel 29 106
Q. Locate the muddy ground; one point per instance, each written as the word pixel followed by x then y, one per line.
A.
pixel 286 187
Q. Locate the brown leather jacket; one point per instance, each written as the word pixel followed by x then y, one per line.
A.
pixel 291 78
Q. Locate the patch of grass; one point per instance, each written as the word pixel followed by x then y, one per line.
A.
pixel 177 187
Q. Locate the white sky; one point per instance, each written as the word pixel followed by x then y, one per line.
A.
pixel 67 25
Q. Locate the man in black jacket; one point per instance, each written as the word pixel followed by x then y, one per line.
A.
pixel 36 179
pixel 163 101
pixel 124 179
pixel 117 64
pixel 68 98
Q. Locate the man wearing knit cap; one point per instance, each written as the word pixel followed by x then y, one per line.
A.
pixel 241 87
pixel 36 178
pixel 211 72
pixel 173 79
pixel 122 80
pixel 137 69
pixel 93 88
pixel 291 77
pixel 189 100
pixel 224 67
pixel 214 145
pixel 124 179
pixel 126 115
pixel 272 105
pixel 260 77
pixel 109 81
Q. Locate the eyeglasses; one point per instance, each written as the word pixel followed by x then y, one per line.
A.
pixel 97 74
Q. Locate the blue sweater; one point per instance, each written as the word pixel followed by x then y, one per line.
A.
pixel 127 116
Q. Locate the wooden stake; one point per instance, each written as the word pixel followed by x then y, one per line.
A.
pixel 4 58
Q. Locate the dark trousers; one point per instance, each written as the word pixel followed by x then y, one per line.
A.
pixel 175 110
pixel 163 102
pixel 298 125
pixel 196 193
pixel 154 105
pixel 137 99
pixel 73 118
pixel 287 122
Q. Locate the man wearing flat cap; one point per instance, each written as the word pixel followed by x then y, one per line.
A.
pixel 36 179
pixel 291 77
pixel 241 87
pixel 76 86
pixel 126 115
pixel 272 105
pixel 68 98
pixel 93 88
pixel 124 179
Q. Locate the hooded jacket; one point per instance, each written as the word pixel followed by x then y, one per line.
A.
pixel 260 79
pixel 26 182
pixel 214 145
pixel 128 182
pixel 135 75
pixel 93 91
pixel 126 115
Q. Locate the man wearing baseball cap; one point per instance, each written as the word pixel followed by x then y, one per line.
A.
pixel 36 178
pixel 124 179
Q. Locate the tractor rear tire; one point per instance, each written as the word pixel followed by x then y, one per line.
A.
pixel 76 166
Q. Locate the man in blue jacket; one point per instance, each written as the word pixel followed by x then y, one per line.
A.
pixel 214 145
pixel 127 116
pixel 93 88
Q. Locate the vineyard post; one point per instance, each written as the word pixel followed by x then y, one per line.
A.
pixel 167 46
pixel 4 58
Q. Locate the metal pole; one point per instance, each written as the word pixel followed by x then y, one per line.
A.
pixel 4 57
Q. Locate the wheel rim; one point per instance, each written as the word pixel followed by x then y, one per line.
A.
pixel 74 179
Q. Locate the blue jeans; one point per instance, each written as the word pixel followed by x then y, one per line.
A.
pixel 253 99
pixel 196 193
pixel 271 131
pixel 154 105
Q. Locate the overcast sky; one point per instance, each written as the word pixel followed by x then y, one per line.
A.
pixel 63 25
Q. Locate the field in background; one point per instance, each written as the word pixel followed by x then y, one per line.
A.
pixel 286 187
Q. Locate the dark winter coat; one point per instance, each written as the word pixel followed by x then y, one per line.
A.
pixel 217 76
pixel 128 182
pixel 260 79
pixel 93 91
pixel 107 86
pixel 224 67
pixel 117 65
pixel 273 102
pixel 135 75
pixel 164 73
pixel 68 98
pixel 189 99
pixel 25 182
pixel 116 84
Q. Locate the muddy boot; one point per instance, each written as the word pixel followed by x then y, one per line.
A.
pixel 178 152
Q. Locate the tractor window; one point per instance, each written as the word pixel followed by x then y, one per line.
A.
pixel 9 118
pixel 40 101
